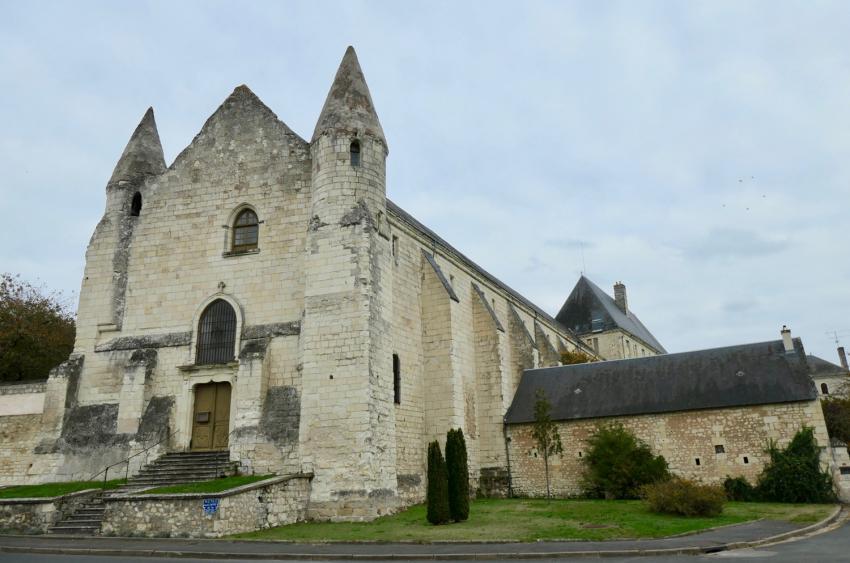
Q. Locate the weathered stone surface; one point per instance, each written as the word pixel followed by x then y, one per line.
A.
pixel 281 416
pixel 90 427
pixel 146 341
pixel 155 424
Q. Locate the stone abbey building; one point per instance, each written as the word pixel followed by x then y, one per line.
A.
pixel 261 295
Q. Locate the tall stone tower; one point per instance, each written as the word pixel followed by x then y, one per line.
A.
pixel 108 252
pixel 347 435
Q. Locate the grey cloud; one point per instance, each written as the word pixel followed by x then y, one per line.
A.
pixel 734 243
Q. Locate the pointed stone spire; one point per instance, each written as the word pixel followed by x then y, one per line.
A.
pixel 348 106
pixel 142 155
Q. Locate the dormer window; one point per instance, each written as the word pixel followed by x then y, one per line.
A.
pixel 354 149
pixel 245 231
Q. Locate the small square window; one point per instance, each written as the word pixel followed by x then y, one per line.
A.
pixel 696 461
pixel 719 449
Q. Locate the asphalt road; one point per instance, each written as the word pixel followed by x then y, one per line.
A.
pixel 832 546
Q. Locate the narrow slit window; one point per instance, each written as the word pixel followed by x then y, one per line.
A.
pixel 136 205
pixel 245 231
pixel 216 334
pixel 746 460
pixel 396 379
pixel 697 461
pixel 824 388
pixel 354 149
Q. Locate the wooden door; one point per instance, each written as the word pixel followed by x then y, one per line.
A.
pixel 211 417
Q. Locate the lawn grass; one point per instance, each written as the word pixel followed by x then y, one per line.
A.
pixel 211 486
pixel 531 520
pixel 56 489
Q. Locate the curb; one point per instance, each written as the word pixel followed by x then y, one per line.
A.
pixel 177 554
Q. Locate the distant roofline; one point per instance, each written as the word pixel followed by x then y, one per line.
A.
pixel 798 346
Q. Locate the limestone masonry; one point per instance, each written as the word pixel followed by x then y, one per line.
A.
pixel 261 295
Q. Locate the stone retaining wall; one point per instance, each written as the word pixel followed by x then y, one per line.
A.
pixel 268 503
pixel 37 515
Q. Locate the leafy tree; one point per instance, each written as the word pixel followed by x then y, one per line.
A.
pixel 438 489
pixel 36 330
pixel 794 473
pixel 545 433
pixel 836 412
pixel 617 464
pixel 577 357
pixel 458 470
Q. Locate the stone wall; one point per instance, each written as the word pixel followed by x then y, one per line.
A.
pixel 618 344
pixel 37 515
pixel 681 437
pixel 273 502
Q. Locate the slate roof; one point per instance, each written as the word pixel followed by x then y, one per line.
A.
pixel 588 302
pixel 734 376
pixel 821 368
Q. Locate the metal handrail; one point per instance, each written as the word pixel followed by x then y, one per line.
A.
pixel 127 459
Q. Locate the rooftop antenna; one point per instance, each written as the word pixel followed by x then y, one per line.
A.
pixel 837 334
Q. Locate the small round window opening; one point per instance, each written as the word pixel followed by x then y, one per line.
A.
pixel 245 231
pixel 354 150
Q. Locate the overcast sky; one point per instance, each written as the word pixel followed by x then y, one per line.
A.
pixel 699 152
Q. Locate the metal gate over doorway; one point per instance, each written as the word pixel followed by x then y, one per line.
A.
pixel 211 417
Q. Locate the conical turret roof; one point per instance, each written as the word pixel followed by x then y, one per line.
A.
pixel 349 106
pixel 143 154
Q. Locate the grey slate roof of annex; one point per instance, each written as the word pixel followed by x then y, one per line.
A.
pixel 587 301
pixel 820 367
pixel 734 376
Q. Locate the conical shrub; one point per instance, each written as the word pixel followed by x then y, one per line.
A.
pixel 438 489
pixel 458 469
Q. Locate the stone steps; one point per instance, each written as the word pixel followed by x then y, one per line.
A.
pixel 86 520
pixel 170 469
pixel 181 467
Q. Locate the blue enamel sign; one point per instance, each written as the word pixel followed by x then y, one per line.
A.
pixel 210 506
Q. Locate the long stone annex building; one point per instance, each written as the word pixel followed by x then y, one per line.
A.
pixel 261 296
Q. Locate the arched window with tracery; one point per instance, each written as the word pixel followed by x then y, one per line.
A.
pixel 246 229
pixel 216 334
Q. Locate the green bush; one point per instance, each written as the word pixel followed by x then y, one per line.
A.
pixel 438 489
pixel 685 498
pixel 794 473
pixel 458 475
pixel 617 464
pixel 739 489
